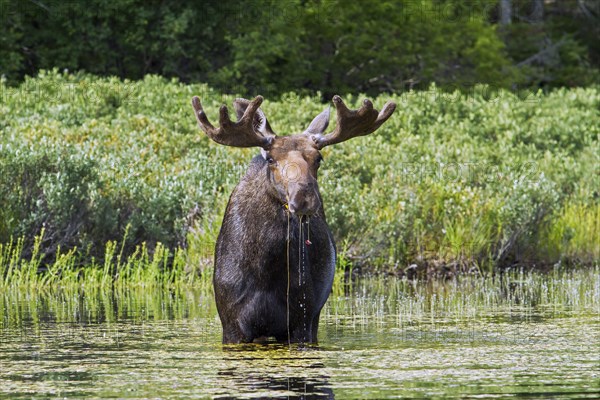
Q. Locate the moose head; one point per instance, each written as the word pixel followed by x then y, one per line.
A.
pixel 293 161
pixel 256 293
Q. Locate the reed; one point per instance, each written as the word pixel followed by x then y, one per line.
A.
pixel 156 268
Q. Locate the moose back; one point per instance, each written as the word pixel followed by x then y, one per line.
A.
pixel 275 255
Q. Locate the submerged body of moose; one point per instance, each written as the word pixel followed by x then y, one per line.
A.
pixel 275 255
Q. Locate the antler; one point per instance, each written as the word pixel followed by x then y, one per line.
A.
pixel 353 123
pixel 237 134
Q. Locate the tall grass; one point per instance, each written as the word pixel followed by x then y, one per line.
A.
pixel 575 233
pixel 159 268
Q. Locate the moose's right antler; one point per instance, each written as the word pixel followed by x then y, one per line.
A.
pixel 237 134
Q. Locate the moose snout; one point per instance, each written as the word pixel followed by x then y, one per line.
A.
pixel 304 200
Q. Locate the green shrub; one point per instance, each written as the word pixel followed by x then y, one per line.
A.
pixel 65 193
pixel 489 178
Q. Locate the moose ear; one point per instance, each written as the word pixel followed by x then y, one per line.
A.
pixel 319 124
pixel 260 123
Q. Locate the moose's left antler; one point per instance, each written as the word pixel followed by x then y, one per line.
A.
pixel 353 123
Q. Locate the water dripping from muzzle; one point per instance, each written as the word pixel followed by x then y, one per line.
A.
pixel 302 263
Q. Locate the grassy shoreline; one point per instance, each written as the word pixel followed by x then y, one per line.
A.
pixel 117 184
pixel 162 269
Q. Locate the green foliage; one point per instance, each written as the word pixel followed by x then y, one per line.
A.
pixel 468 181
pixel 560 50
pixel 60 189
pixel 273 47
pixel 128 38
pixel 367 47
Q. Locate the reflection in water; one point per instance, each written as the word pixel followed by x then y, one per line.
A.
pixel 276 370
pixel 290 387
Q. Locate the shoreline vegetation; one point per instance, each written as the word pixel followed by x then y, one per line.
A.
pixel 109 182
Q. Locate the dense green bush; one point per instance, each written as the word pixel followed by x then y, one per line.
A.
pixel 466 180
pixel 67 194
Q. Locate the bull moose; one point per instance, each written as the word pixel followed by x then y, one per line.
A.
pixel 275 255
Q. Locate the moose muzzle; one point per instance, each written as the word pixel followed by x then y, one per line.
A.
pixel 303 198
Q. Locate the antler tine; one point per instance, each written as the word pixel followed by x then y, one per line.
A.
pixel 229 133
pixel 353 123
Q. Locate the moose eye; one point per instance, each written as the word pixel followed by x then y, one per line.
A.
pixel 270 160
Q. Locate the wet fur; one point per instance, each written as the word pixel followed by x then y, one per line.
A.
pixel 251 273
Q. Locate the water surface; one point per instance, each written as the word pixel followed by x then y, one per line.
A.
pixel 534 336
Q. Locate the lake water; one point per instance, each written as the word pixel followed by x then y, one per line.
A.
pixel 534 336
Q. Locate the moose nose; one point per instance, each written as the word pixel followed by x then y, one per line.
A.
pixel 304 203
pixel 300 207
